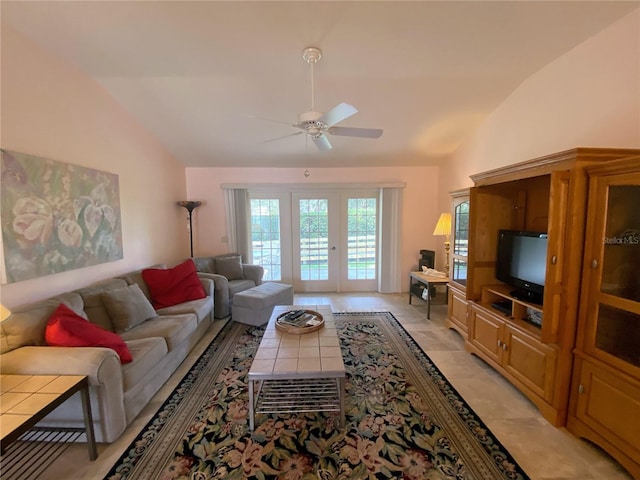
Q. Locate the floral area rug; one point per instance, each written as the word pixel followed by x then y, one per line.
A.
pixel 403 419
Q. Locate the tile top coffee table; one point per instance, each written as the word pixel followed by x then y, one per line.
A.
pixel 298 373
pixel 27 399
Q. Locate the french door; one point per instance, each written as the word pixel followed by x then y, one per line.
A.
pixel 319 241
pixel 316 238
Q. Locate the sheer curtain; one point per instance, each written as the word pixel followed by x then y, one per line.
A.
pixel 390 276
pixel 236 204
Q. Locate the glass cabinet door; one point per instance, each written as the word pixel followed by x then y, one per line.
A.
pixel 614 291
pixel 460 241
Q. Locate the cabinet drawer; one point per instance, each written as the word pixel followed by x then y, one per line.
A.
pixel 611 406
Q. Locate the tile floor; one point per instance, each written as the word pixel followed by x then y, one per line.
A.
pixel 543 451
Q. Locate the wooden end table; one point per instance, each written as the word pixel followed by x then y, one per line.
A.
pixel 27 399
pixel 426 280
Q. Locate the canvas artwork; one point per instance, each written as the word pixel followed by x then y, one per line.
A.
pixel 56 217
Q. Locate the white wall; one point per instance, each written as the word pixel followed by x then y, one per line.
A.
pixel 589 97
pixel 51 110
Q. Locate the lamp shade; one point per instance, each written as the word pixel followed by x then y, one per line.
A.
pixel 443 227
pixel 4 313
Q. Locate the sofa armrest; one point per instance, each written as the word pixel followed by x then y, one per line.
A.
pixel 220 294
pixel 101 365
pixel 207 285
pixel 253 272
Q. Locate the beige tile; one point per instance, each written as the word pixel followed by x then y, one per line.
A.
pixel 266 353
pixel 309 352
pixel 330 352
pixel 263 365
pixel 309 364
pixel 290 341
pixel 288 352
pixel 270 343
pixel 332 364
pixel 286 365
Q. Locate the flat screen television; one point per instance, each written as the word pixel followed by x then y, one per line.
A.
pixel 521 263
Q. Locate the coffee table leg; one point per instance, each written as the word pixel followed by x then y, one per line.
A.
pixel 341 389
pixel 88 422
pixel 251 406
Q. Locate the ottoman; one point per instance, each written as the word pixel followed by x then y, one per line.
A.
pixel 255 305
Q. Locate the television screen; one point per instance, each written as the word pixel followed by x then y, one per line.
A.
pixel 521 262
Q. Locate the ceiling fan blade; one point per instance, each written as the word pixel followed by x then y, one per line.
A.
pixel 337 114
pixel 356 132
pixel 322 142
pixel 280 138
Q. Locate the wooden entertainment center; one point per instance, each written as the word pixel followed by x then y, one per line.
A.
pixel 576 356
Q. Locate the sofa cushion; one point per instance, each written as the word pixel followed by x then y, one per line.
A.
pixel 172 286
pixel 93 305
pixel 136 278
pixel 230 267
pixel 174 329
pixel 127 307
pixel 65 328
pixel 26 325
pixel 201 308
pixel 147 353
pixel 205 264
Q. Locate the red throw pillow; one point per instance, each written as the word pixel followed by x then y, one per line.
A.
pixel 65 328
pixel 171 286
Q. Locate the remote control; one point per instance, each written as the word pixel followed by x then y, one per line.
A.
pixel 295 314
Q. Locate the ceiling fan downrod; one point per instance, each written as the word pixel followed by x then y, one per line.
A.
pixel 312 55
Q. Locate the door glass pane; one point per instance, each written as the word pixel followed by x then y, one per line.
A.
pixel 621 261
pixel 618 333
pixel 459 272
pixel 361 238
pixel 314 235
pixel 461 234
pixel 265 236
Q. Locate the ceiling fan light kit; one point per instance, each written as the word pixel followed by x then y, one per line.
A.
pixel 317 124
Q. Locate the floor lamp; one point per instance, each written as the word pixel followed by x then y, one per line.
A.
pixel 190 206
pixel 443 227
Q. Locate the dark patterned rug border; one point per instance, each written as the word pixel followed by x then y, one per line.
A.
pixel 163 414
pixel 158 420
pixel 476 426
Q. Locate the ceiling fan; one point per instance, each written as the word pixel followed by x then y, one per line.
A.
pixel 317 124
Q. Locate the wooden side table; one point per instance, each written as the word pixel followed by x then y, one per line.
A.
pixel 426 280
pixel 27 399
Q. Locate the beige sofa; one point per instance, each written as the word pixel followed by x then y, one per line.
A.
pixel 118 391
pixel 229 276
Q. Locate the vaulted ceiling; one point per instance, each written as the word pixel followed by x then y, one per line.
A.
pixel 214 81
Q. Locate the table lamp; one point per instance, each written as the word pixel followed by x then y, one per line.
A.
pixel 443 227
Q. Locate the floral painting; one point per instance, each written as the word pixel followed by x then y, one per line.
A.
pixel 56 217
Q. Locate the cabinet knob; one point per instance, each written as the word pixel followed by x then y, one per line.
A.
pixel 554 260
pixel 594 263
pixel 500 343
pixel 580 389
pixel 504 346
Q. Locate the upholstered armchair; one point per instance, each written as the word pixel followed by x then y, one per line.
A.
pixel 229 276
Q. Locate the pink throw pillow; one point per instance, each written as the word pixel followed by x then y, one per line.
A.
pixel 65 328
pixel 171 286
